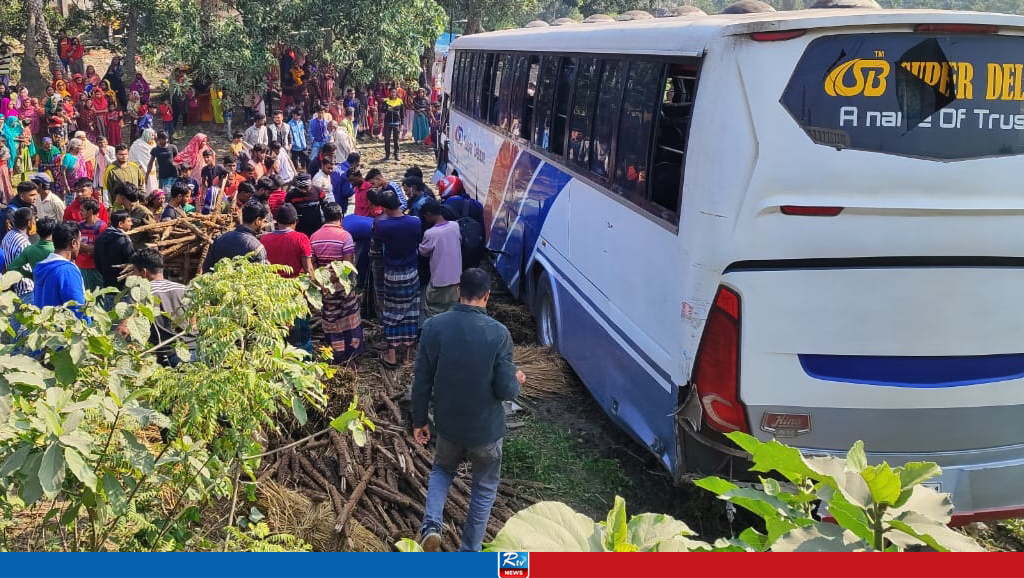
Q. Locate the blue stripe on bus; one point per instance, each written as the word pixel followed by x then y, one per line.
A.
pixel 917 372
pixel 508 227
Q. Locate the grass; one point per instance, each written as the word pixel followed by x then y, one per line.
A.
pixel 549 454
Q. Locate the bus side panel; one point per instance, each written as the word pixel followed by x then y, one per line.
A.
pixel 605 361
pixel 507 229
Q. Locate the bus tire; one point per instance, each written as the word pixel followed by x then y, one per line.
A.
pixel 546 313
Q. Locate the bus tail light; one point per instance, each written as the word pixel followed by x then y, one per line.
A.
pixel 716 373
pixel 806 211
pixel 958 28
pixel 777 35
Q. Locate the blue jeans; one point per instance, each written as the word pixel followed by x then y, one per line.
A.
pixel 301 335
pixel 486 462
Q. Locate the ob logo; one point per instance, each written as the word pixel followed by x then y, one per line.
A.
pixel 513 564
pixel 459 135
pixel 868 78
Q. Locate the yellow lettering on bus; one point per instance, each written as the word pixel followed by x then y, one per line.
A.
pixel 964 75
pixel 868 78
pixel 995 81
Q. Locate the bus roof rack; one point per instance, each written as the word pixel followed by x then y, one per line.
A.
pixel 869 4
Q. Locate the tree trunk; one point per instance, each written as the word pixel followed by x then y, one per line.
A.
pixel 131 42
pixel 47 45
pixel 205 20
pixel 31 76
pixel 473 24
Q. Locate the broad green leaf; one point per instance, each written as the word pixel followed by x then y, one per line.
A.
pixel 615 527
pixel 883 482
pixel 757 502
pixel 832 472
pixel 138 328
pixel 138 455
pixel 9 279
pixel 299 409
pixel 773 456
pixel 25 378
pixel 77 350
pixel 847 515
pixel 819 538
pixel 856 459
pixel 938 536
pixel 15 460
pixel 70 514
pixel 408 545
pixel 913 473
pixel 341 422
pixel 31 489
pixel 115 494
pixel 79 440
pixel 49 417
pixel 51 470
pixel 648 530
pixel 927 502
pixel 548 527
pixel 64 368
pixel 78 467
pixel 755 539
pixel 101 345
pixel 359 437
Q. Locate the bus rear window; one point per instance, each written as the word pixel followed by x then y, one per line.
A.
pixel 938 97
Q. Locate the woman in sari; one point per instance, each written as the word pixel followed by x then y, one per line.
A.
pixel 114 116
pixel 28 110
pixel 101 106
pixel 113 81
pixel 77 86
pixel 133 114
pixel 421 122
pixel 87 119
pixel 105 156
pixel 91 77
pixel 23 97
pixel 341 322
pixel 140 153
pixel 5 101
pixel 140 86
pixel 23 150
pixel 74 167
pixel 70 114
pixel 61 87
pixel 192 154
pixel 6 186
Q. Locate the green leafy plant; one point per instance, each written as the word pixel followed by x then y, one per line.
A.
pixel 555 527
pixel 109 450
pixel 876 508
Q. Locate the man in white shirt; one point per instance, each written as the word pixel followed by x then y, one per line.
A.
pixel 257 133
pixel 48 204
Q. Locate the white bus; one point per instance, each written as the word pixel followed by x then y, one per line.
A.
pixel 804 225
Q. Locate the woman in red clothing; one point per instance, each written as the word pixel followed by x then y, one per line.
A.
pixel 101 109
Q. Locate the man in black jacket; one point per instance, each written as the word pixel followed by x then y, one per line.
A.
pixel 464 369
pixel 113 249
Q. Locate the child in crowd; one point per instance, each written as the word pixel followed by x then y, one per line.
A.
pixel 167 115
pixel 91 226
pixel 237 147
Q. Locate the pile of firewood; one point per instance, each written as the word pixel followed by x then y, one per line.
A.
pixel 184 242
pixel 381 486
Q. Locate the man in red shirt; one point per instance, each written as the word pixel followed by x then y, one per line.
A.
pixel 286 246
pixel 83 190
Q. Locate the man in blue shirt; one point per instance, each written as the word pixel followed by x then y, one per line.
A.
pixel 343 190
pixel 317 130
pixel 57 279
pixel 298 128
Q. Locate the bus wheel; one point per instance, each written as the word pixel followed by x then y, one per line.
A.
pixel 547 317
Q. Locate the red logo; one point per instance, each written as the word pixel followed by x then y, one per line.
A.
pixel 786 425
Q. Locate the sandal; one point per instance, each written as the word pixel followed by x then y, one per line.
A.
pixel 387 364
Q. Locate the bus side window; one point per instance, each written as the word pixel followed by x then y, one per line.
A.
pixel 464 68
pixel 507 84
pixel 673 130
pixel 609 100
pixel 500 70
pixel 529 97
pixel 583 111
pixel 636 127
pixel 563 94
pixel 480 104
pixel 456 79
pixel 473 103
pixel 516 102
pixel 545 96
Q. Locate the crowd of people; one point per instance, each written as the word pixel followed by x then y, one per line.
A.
pixel 72 189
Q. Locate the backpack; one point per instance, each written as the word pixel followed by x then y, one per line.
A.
pixel 472 233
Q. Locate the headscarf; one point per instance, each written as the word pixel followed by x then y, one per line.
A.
pixel 60 87
pixel 140 86
pixel 110 94
pixel 99 100
pixel 75 165
pixel 11 133
pixel 134 102
pixel 142 148
pixel 89 150
pixel 193 154
pixel 76 86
